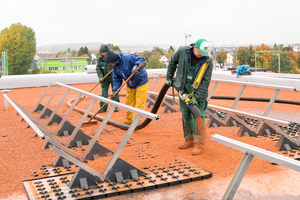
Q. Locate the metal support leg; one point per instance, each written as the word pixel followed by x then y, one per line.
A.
pixel 121 145
pixel 236 100
pixel 39 101
pixel 238 176
pixel 49 101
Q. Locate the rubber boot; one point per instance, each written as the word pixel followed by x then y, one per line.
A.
pixel 198 149
pixel 187 144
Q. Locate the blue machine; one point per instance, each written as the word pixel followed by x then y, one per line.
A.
pixel 243 70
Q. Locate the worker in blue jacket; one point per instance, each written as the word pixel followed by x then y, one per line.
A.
pixel 137 87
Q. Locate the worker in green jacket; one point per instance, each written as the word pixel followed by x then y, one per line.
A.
pixel 188 60
pixel 102 69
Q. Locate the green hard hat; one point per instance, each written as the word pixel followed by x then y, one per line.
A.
pixel 104 48
pixel 202 45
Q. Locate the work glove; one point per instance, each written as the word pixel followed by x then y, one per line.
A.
pixel 134 70
pixel 100 79
pixel 112 97
pixel 169 83
pixel 192 101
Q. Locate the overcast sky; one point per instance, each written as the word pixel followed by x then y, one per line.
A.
pixel 140 22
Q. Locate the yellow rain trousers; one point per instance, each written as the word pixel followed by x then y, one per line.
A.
pixel 135 98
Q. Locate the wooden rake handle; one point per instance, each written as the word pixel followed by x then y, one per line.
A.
pixel 93 87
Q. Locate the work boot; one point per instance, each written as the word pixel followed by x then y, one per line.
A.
pixel 116 110
pixel 187 144
pixel 197 150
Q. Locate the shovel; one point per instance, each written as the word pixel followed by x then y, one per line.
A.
pixel 140 66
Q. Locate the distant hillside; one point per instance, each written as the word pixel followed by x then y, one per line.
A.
pixel 52 48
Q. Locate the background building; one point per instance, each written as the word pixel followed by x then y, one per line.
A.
pixel 63 65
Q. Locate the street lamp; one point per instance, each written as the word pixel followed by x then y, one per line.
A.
pixel 186 35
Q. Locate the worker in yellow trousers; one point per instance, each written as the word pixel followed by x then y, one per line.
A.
pixel 123 67
pixel 136 98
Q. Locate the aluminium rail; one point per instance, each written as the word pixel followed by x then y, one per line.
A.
pixel 249 153
pixel 271 122
pixel 93 147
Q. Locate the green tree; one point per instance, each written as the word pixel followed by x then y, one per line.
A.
pixel 243 55
pixel 285 65
pixel 69 50
pixel 221 57
pixel 159 50
pixel 154 63
pixel 147 55
pixel 114 48
pixel 171 49
pixel 250 59
pixel 80 51
pixel 288 48
pixel 20 43
pixel 86 50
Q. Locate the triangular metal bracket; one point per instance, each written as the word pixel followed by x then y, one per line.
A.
pixel 81 173
pixel 124 167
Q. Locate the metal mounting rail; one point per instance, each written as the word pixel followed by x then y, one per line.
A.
pixel 111 102
pixel 93 149
pixel 35 128
pixel 249 153
pixel 250 115
pixel 255 84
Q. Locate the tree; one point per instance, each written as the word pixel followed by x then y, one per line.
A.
pixel 243 55
pixel 20 43
pixel 114 48
pixel 263 58
pixel 80 51
pixel 69 50
pixel 298 62
pixel 159 50
pixel 221 57
pixel 147 55
pixel 154 63
pixel 86 50
pixel 285 65
pixel 171 49
pixel 288 48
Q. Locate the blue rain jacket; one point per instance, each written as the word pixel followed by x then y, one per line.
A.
pixel 123 71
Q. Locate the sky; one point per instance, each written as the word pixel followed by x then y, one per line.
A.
pixel 139 22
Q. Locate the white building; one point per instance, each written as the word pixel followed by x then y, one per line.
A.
pixel 164 60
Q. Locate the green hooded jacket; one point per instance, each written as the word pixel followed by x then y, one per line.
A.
pixel 101 69
pixel 181 60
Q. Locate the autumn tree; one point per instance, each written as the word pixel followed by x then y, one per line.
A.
pixel 20 43
pixel 263 58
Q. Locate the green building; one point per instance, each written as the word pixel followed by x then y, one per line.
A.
pixel 63 65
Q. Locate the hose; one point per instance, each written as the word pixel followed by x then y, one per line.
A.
pixel 159 100
pixel 122 126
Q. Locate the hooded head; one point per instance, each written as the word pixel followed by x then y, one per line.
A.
pixel 112 57
pixel 104 48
